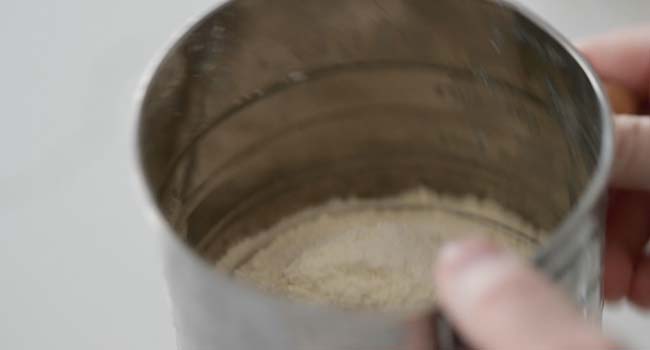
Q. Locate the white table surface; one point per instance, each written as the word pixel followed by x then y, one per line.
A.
pixel 79 266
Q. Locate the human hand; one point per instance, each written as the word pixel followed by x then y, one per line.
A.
pixel 622 59
pixel 496 301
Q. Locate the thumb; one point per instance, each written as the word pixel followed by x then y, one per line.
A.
pixel 631 164
pixel 497 302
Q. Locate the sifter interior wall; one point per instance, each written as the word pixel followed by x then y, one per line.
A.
pixel 266 107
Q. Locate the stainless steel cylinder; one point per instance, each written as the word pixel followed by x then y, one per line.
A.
pixel 263 108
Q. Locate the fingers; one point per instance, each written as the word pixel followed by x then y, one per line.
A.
pixel 497 302
pixel 622 57
pixel 631 165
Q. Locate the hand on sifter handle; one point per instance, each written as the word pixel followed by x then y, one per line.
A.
pixel 498 302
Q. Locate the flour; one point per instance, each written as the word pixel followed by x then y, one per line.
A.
pixel 375 255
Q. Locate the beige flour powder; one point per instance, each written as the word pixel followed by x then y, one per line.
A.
pixel 370 254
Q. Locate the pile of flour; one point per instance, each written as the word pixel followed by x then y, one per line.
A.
pixel 375 255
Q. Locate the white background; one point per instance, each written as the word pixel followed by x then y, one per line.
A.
pixel 78 260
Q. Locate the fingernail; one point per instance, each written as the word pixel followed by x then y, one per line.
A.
pixel 457 256
pixel 464 270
